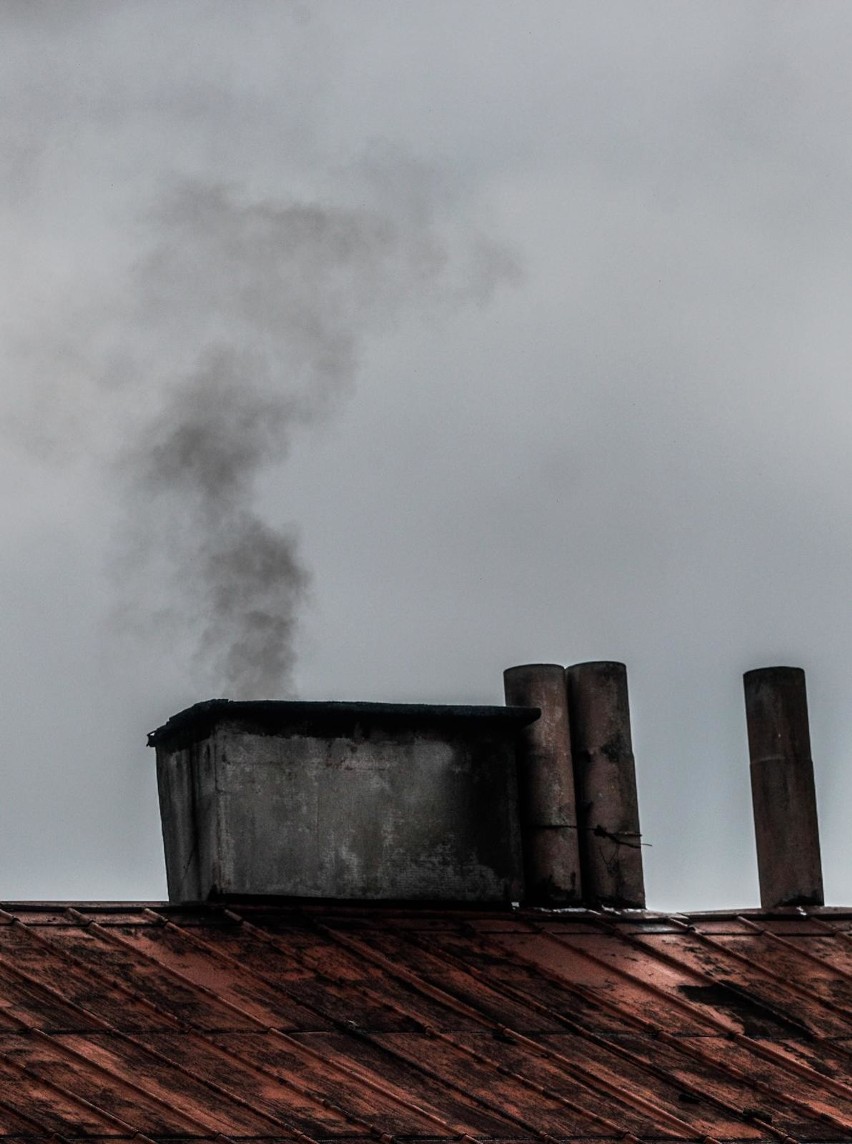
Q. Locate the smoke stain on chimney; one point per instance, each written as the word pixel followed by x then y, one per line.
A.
pixel 260 309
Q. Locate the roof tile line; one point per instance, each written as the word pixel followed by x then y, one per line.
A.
pixel 613 1047
pixel 303 1090
pixel 844 935
pixel 384 1049
pixel 28 1118
pixel 410 1105
pixel 347 1069
pixel 418 1065
pixel 679 1046
pixel 74 1098
pixel 99 974
pixel 840 1087
pixel 777 939
pixel 112 1030
pixel 749 1043
pixel 588 1077
pixel 669 958
pixel 492 1026
pixel 788 983
pixel 59 1045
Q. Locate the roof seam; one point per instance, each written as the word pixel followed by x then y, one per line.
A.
pixel 751 1045
pixel 750 963
pixel 588 1077
pixel 487 1023
pixel 304 1090
pixel 347 1070
pixel 107 1027
pixel 501 1113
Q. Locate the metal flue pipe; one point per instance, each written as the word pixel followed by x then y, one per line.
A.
pixel 782 785
pixel 605 783
pixel 546 786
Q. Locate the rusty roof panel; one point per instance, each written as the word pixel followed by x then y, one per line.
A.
pixel 354 1023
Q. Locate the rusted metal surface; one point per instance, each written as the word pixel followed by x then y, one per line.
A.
pixel 325 1023
pixel 546 786
pixel 605 781
pixel 782 784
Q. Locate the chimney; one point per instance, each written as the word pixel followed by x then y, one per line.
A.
pixel 341 800
pixel 605 784
pixel 782 785
pixel 546 786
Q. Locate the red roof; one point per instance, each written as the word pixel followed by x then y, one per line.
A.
pixel 334 1023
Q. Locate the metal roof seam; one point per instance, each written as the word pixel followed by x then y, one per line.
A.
pixel 213 1086
pixel 466 1050
pixel 428 1030
pixel 624 1034
pixel 670 959
pixel 75 1098
pixel 777 939
pixel 455 1005
pixel 58 950
pixel 591 1079
pixel 631 1099
pixel 346 1114
pixel 753 1045
pixel 347 1070
pixel 26 1118
pixel 844 935
pixel 162 1059
pixel 781 1059
pixel 786 982
pixel 609 1046
pixel 677 1044
pixel 105 1026
pixel 494 1109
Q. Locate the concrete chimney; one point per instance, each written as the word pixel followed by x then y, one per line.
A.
pixel 341 800
pixel 782 785
pixel 605 784
pixel 546 786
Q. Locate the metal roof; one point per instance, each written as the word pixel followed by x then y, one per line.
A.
pixel 326 1022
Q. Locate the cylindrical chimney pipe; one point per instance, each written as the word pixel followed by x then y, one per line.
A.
pixel 605 782
pixel 546 786
pixel 782 787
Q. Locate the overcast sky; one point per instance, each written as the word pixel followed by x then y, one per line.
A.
pixel 498 332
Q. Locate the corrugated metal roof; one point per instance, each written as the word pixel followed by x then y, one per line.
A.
pixel 349 1024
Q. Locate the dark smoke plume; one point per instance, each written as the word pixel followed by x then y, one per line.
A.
pixel 258 310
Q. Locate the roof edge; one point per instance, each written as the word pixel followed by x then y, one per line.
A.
pixel 271 716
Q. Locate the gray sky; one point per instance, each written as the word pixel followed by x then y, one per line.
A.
pixel 501 332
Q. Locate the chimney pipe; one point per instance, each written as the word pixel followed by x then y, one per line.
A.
pixel 782 786
pixel 546 786
pixel 605 782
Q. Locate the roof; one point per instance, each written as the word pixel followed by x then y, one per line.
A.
pixel 298 716
pixel 350 1023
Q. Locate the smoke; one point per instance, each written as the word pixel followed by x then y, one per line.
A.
pixel 255 314
pixel 171 326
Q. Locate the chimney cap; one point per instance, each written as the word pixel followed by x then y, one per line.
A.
pixel 776 672
pixel 280 716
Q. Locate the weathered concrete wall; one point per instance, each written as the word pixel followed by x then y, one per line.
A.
pixel 383 801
